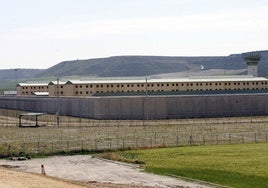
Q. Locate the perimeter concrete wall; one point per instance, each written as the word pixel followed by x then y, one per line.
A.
pixel 140 107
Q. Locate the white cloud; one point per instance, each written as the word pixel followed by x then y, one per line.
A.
pixel 248 21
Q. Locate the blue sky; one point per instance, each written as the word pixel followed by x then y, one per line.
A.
pixel 42 33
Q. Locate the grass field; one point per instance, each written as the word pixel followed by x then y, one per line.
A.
pixel 241 165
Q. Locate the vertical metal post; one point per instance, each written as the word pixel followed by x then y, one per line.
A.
pixel 58 105
pixel 146 80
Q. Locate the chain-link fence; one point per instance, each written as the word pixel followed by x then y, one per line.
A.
pixel 74 134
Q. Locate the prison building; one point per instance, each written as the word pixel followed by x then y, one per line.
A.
pixel 224 84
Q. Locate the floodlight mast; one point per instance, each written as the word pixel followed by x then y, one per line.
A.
pixel 252 59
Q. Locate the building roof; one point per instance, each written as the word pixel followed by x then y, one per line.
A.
pixel 33 84
pixel 41 93
pixel 188 79
pixel 236 78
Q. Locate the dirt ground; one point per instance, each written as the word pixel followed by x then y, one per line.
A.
pixel 91 172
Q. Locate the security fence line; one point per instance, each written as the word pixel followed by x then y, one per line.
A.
pixel 38 146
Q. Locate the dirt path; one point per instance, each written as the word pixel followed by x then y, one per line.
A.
pixel 84 168
pixel 11 178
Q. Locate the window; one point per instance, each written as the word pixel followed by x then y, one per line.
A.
pixel 86 92
pixel 80 86
pixel 167 84
pixel 97 85
pixel 61 92
pixel 107 86
pixel 101 85
pixel 86 86
pixel 76 92
pixel 118 85
pixel 61 86
pixel 81 92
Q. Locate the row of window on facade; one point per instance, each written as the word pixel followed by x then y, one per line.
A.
pixel 174 84
pixel 159 90
pixel 158 85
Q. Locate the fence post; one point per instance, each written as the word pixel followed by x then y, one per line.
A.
pixel 52 149
pixel 217 139
pixel 255 137
pixel 95 144
pixel 154 138
pixel 177 138
pixel 68 146
pixel 204 141
pixel 230 139
pixel 38 146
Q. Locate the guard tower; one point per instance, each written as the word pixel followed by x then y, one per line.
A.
pixel 252 60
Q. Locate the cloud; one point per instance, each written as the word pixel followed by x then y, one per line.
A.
pixel 243 21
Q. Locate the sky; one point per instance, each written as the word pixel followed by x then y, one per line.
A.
pixel 42 33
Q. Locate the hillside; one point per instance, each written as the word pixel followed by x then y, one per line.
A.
pixel 122 66
pixel 10 77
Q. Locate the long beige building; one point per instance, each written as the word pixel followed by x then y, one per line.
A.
pixel 143 86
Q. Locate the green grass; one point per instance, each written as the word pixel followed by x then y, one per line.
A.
pixel 239 165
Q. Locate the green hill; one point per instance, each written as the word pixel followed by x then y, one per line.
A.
pixel 122 66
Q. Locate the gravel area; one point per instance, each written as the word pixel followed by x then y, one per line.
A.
pixel 84 168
